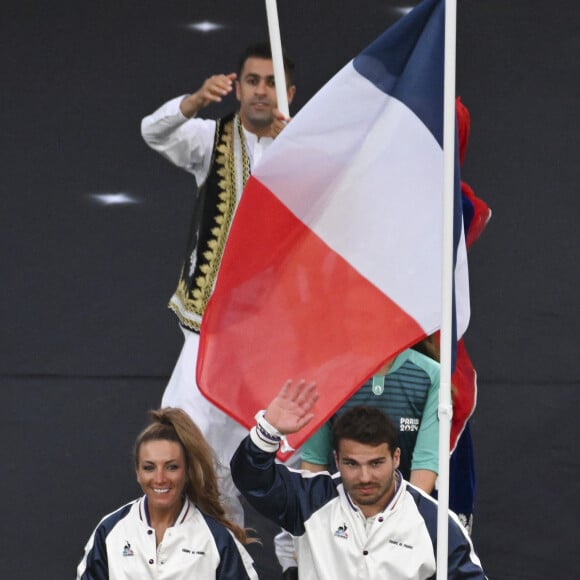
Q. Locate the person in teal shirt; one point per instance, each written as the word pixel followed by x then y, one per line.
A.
pixel 407 390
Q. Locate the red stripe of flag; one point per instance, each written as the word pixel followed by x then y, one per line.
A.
pixel 290 277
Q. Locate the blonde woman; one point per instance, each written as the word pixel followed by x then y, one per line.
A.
pixel 178 529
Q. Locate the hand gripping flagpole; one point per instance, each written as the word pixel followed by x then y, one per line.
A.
pixel 277 59
pixel 447 273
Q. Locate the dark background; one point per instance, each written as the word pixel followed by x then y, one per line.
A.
pixel 87 343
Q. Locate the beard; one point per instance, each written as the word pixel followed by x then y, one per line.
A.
pixel 262 117
pixel 374 493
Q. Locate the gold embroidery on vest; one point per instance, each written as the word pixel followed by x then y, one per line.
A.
pixel 196 300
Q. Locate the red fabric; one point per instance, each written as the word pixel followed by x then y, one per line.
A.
pixel 481 215
pixel 463 127
pixel 291 277
pixel 464 377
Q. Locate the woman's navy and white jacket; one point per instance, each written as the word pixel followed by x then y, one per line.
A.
pixel 332 541
pixel 123 547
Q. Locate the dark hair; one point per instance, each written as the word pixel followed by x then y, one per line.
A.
pixel 364 424
pixel 429 346
pixel 262 50
pixel 171 424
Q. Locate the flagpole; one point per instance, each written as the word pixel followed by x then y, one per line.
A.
pixel 447 273
pixel 277 58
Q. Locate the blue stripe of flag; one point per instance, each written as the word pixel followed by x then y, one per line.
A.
pixel 407 63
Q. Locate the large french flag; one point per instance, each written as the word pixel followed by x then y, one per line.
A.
pixel 333 263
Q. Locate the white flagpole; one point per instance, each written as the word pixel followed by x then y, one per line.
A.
pixel 277 60
pixel 447 274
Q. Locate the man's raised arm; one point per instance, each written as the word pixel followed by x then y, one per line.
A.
pixel 275 491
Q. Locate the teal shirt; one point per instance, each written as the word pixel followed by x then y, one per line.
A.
pixel 410 397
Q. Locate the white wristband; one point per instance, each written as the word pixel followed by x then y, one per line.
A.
pixel 267 437
pixel 266 431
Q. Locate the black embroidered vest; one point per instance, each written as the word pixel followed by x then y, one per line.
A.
pixel 212 216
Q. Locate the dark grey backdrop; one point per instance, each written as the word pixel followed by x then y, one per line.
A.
pixel 87 342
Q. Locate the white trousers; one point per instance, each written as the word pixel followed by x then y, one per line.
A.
pixel 221 432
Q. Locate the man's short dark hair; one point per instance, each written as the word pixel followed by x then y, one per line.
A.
pixel 367 425
pixel 262 50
